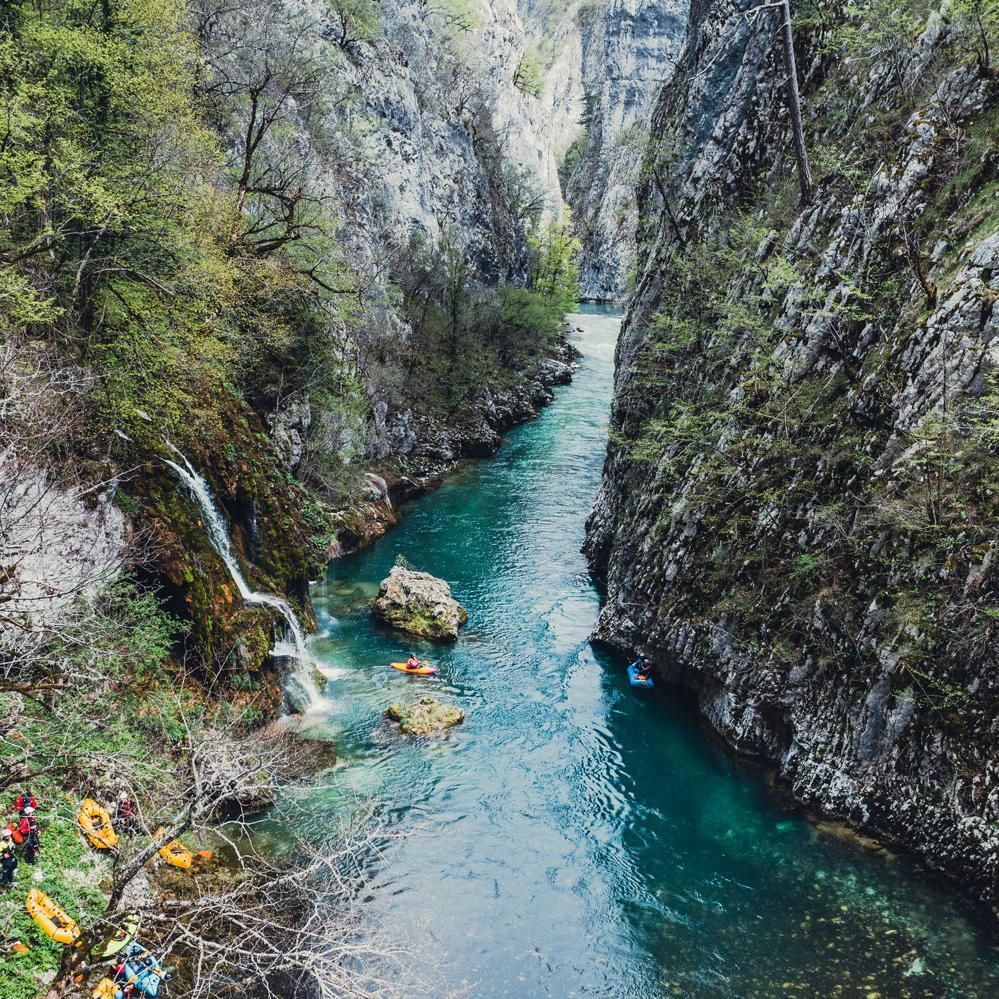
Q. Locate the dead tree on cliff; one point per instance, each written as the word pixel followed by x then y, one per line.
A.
pixel 794 104
pixel 782 12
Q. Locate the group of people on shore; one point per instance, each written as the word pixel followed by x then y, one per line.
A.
pixel 23 832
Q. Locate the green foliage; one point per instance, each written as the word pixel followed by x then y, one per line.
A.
pixel 527 77
pixel 466 336
pixel 357 22
pixel 554 267
pixel 975 29
pixel 455 19
pixel 876 30
pixel 124 241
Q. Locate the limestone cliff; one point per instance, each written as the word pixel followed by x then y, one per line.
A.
pixel 628 51
pixel 797 518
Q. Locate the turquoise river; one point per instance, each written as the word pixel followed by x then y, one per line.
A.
pixel 575 837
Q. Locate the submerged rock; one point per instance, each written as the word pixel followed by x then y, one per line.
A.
pixel 425 717
pixel 420 604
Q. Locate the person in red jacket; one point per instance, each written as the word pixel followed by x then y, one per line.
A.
pixel 25 800
pixel 29 830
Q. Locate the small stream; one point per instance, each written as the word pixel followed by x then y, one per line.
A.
pixel 575 837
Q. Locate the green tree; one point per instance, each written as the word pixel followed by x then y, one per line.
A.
pixel 355 22
pixel 554 267
pixel 527 77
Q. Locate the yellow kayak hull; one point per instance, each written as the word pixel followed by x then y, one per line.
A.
pixel 419 671
pixel 51 917
pixel 175 852
pixel 95 821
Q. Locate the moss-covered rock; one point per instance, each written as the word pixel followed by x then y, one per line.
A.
pixel 270 534
pixel 420 604
pixel 425 717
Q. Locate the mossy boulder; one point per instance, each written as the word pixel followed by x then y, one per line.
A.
pixel 425 717
pixel 420 604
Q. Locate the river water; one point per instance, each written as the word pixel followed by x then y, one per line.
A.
pixel 576 837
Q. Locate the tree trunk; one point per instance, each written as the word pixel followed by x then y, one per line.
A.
pixel 794 104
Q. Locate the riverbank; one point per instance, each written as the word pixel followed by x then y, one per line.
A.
pixel 165 702
pixel 427 449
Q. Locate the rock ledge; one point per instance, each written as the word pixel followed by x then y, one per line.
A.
pixel 425 717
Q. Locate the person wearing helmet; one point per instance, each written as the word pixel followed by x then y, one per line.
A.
pixel 124 813
pixel 642 667
pixel 412 662
pixel 8 860
pixel 25 800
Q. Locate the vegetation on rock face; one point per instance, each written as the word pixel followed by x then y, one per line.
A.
pixel 528 75
pixel 807 421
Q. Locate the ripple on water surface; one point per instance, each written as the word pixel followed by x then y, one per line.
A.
pixel 574 837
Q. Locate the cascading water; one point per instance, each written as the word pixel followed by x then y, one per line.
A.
pixel 306 695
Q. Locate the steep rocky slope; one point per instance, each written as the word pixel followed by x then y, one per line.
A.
pixel 628 51
pixel 798 513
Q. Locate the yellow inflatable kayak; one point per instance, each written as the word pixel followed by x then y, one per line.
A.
pixel 422 670
pixel 175 852
pixel 106 989
pixel 95 821
pixel 51 917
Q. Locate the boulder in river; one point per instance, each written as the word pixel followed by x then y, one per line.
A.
pixel 420 604
pixel 425 717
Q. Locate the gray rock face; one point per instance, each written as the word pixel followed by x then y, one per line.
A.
pixel 629 50
pixel 882 707
pixel 63 548
pixel 420 604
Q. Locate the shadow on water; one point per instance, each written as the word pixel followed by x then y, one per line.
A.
pixel 577 837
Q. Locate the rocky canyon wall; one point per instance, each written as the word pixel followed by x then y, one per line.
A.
pixel 797 519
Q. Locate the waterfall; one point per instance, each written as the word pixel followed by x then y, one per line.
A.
pixel 218 531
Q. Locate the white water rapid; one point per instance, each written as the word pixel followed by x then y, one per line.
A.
pixel 306 691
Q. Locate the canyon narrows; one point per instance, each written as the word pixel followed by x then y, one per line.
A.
pixel 334 251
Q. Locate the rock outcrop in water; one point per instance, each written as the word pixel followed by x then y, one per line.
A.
pixel 798 512
pixel 425 717
pixel 420 604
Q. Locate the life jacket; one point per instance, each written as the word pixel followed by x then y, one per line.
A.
pixel 15 832
pixel 24 827
pixel 21 803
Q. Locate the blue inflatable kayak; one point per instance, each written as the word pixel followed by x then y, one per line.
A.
pixel 143 970
pixel 635 677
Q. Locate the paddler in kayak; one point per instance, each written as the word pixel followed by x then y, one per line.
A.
pixel 412 662
pixel 642 668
